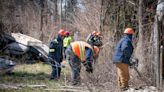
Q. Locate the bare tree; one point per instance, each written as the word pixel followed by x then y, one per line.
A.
pixel 158 26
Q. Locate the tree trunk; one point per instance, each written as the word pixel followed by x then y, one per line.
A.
pixel 61 1
pixel 140 46
pixel 56 8
pixel 156 52
pixel 41 20
pixel 158 25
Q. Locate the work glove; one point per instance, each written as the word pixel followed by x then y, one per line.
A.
pixel 88 66
pixel 89 70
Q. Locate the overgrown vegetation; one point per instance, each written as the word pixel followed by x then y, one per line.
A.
pixel 30 17
pixel 42 19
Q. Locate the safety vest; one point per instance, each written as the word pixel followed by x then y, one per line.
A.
pixel 78 48
pixel 67 41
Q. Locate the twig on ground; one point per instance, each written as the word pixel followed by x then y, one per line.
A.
pixel 67 90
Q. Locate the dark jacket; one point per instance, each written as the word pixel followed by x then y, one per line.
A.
pixel 56 49
pixel 123 50
pixel 90 39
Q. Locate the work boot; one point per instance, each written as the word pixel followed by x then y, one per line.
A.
pixel 53 78
pixel 124 88
pixel 75 83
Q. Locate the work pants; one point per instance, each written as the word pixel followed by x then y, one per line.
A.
pixel 75 64
pixel 123 74
pixel 56 69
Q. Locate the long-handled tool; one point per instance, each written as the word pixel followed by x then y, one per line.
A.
pixel 134 64
pixel 105 45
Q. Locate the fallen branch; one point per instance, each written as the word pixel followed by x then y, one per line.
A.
pixel 18 86
pixel 36 86
pixel 72 87
pixel 67 90
pixel 4 86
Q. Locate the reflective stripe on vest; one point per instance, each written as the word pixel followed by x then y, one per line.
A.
pixel 51 50
pixel 82 51
pixel 78 48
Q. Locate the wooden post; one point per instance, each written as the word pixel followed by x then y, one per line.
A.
pixel 158 21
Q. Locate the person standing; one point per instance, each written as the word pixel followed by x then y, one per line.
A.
pixel 56 54
pixel 67 41
pixel 121 57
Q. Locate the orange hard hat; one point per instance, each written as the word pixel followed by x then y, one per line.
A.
pixel 61 32
pixel 96 51
pixel 98 33
pixel 94 32
pixel 129 31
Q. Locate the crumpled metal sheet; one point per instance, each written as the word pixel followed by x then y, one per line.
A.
pixel 16 49
pixel 6 65
pixel 20 44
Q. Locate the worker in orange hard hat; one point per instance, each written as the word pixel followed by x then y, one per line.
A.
pixel 121 58
pixel 94 39
pixel 80 52
pixel 56 54
pixel 129 31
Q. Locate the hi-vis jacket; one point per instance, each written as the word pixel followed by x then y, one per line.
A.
pixel 82 49
pixel 67 41
pixel 90 39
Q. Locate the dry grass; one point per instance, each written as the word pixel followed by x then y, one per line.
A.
pixel 32 74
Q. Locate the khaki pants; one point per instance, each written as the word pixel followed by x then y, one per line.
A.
pixel 123 74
